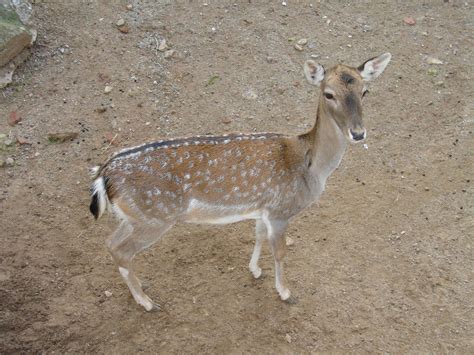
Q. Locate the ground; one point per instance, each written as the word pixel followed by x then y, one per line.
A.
pixel 383 263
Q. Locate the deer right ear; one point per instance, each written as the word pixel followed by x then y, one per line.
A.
pixel 313 72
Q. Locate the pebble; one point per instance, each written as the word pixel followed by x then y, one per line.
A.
pixel 120 22
pixel 162 46
pixel 283 3
pixel 107 89
pixel 9 162
pixel 249 95
pixel 302 41
pixel 409 21
pixel 288 338
pixel 271 60
pixel 298 47
pixel 129 7
pixel 8 142
pixel 108 293
pixel 169 53
pixel 432 60
pixel 289 241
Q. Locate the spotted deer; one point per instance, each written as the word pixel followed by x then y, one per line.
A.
pixel 268 177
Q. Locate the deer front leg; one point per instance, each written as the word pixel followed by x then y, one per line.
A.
pixel 260 234
pixel 276 230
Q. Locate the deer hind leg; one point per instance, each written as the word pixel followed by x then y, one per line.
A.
pixel 261 233
pixel 128 241
pixel 276 230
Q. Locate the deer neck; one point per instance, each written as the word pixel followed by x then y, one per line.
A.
pixel 328 145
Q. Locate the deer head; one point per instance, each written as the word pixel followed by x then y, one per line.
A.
pixel 342 91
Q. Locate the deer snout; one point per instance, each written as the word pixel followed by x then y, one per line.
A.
pixel 357 134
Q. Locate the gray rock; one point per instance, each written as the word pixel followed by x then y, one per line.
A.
pixel 14 36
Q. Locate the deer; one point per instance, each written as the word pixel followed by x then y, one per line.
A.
pixel 221 179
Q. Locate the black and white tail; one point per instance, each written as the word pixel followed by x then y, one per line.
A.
pixel 99 195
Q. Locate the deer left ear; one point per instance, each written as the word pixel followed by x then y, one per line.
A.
pixel 313 72
pixel 372 68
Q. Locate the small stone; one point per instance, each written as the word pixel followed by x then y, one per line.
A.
pixel 432 60
pixel 271 60
pixel 108 294
pixel 101 109
pixel 288 338
pixel 227 120
pixel 427 188
pixel 120 22
pixel 249 95
pixel 124 29
pixel 409 21
pixel 440 83
pixel 8 142
pixel 162 46
pixel 298 47
pixel 302 41
pixel 107 89
pixel 289 241
pixel 9 161
pixel 13 119
pixel 169 53
pixel 129 7
pixel 61 137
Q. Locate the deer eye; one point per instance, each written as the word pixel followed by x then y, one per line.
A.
pixel 328 96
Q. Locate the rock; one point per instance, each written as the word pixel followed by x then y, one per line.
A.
pixel 6 75
pixel 249 95
pixel 108 89
pixel 124 29
pixel 61 137
pixel 227 120
pixel 22 140
pixel 9 161
pixel 13 118
pixel 271 60
pixel 298 47
pixel 289 241
pixel 302 41
pixel 432 60
pixel 14 36
pixel 107 293
pixel 120 22
pixel 440 83
pixel 288 338
pixel 23 8
pixel 409 21
pixel 129 7
pixel 8 142
pixel 169 53
pixel 162 46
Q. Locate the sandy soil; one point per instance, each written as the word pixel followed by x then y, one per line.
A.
pixel 384 262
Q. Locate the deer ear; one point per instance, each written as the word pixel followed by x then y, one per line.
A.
pixel 374 67
pixel 313 72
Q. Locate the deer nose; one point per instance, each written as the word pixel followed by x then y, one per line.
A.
pixel 357 135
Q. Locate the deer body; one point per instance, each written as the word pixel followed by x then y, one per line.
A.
pixel 268 177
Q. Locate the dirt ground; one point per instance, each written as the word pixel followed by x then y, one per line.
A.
pixel 383 263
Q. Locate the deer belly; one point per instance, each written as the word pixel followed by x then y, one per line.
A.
pixel 206 213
